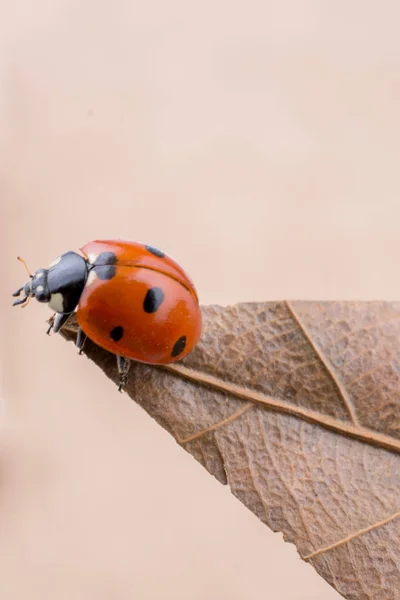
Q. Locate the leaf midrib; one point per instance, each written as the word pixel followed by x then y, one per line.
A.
pixel 351 430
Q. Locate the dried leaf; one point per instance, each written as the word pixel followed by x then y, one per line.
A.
pixel 297 407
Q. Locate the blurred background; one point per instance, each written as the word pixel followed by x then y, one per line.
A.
pixel 256 143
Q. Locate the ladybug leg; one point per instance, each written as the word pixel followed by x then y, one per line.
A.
pixel 123 368
pixel 81 338
pixel 51 323
pixel 57 322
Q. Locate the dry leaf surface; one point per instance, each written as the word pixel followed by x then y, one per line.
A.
pixel 296 405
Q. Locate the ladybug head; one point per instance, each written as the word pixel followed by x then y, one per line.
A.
pixel 60 285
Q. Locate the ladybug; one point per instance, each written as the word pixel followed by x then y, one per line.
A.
pixel 128 298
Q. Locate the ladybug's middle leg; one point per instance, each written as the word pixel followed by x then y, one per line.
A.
pixel 123 368
pixel 81 338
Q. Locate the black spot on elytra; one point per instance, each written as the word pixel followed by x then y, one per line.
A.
pixel 105 258
pixel 104 265
pixel 117 333
pixel 155 251
pixel 153 299
pixel 179 346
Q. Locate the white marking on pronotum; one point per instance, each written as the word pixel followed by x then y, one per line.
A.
pixel 55 262
pixel 39 275
pixel 91 277
pixel 57 302
pixel 92 257
pixel 39 288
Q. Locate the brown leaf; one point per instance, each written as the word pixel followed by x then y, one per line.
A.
pixel 297 407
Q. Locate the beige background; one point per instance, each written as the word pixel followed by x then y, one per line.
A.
pixel 258 143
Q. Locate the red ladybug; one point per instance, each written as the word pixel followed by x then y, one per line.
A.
pixel 129 298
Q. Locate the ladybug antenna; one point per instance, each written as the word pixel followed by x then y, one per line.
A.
pixel 26 289
pixel 25 265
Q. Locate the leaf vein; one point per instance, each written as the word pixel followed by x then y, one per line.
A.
pixel 347 401
pixel 236 415
pixel 353 536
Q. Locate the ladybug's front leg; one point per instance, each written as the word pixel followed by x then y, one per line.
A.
pixel 51 323
pixel 123 368
pixel 57 321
